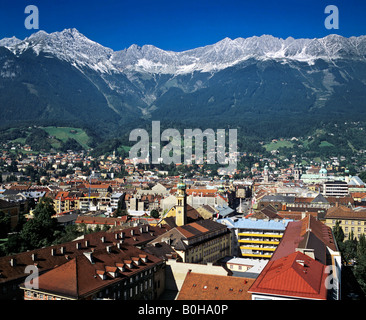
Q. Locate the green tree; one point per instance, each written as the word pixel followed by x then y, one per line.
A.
pixel 155 213
pixel 42 229
pixel 338 233
pixel 350 248
pixel 4 224
pixel 360 267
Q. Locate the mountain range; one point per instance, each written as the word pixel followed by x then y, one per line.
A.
pixel 266 86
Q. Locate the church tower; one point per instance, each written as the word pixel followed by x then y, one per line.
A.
pixel 297 173
pixel 265 174
pixel 181 206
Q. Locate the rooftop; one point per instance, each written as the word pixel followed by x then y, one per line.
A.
pixel 296 275
pixel 198 286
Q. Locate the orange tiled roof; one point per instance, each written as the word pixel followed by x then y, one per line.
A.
pixel 198 286
pixel 296 275
pixel 343 212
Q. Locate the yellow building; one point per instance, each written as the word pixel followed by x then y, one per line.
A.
pixel 66 201
pixel 255 238
pixel 182 213
pixel 350 220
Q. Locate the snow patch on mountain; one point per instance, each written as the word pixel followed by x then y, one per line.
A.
pixel 72 46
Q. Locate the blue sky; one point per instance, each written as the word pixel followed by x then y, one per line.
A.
pixel 182 25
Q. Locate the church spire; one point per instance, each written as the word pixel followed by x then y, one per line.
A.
pixel 181 206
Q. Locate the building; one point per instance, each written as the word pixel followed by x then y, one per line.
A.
pixel 199 286
pixel 255 238
pixel 182 213
pixel 116 272
pixel 302 265
pixel 181 206
pixel 12 267
pixel 245 267
pixel 66 201
pixel 350 220
pixel 199 242
pixel 335 189
pixel 90 222
pixel 296 276
pixel 12 209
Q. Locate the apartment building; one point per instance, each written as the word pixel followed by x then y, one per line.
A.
pixel 335 189
pixel 302 265
pixel 114 273
pixel 350 220
pixel 255 238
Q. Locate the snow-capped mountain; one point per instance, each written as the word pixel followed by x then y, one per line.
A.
pixel 70 45
pixel 65 77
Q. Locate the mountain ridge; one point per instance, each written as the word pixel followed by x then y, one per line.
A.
pixel 220 55
pixel 265 85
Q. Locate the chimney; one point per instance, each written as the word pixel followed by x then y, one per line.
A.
pixel 34 256
pixel 102 239
pixel 63 250
pixel 53 252
pixel 13 262
pixel 109 249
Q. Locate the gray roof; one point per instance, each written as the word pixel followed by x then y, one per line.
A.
pixel 320 199
pixel 67 218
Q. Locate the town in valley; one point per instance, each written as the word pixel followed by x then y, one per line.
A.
pixel 109 227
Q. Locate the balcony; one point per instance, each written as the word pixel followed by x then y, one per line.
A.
pixel 255 234
pixel 258 241
pixel 256 255
pixel 257 248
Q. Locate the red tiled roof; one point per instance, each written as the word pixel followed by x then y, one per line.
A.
pixel 76 278
pixel 198 286
pixel 296 275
